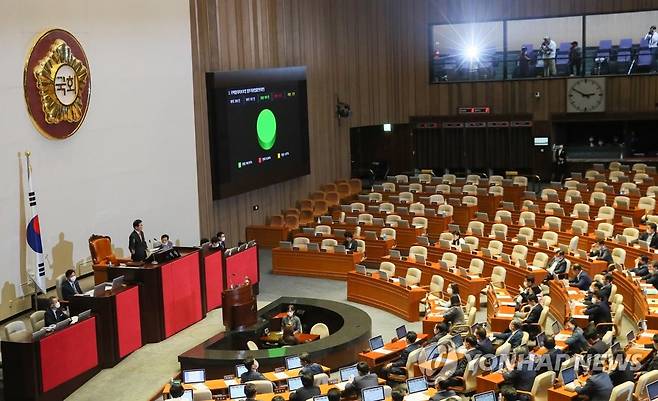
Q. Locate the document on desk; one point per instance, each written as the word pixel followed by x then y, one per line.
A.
pixel 281 375
pixel 200 387
pixel 561 337
pixel 231 382
pixel 505 315
pixel 383 351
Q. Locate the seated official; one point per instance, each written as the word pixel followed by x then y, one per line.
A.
pixel 557 266
pixel 652 276
pixel 620 368
pixel 594 287
pixel 650 235
pixel 455 314
pixel 252 372
pixel 333 394
pixel 288 336
pixel 443 391
pixel 529 287
pixel 470 344
pixel 581 280
pixel 308 389
pixel 440 331
pixel 531 318
pixel 397 367
pixel 598 386
pixel 250 392
pixel 457 239
pixel 309 366
pixel 641 266
pixel 596 345
pixel 484 343
pixel 292 320
pixel 552 359
pixel 653 362
pixel 54 314
pixel 176 390
pixel 576 342
pixel 70 286
pixel 600 251
pixel 513 335
pixel 222 240
pixel 606 288
pixel 165 244
pixel 365 379
pixel 517 375
pixel 599 312
pixel 397 395
pixel 350 244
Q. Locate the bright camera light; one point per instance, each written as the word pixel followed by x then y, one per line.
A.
pixel 472 52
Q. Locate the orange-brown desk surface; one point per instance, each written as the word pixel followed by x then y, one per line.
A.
pixel 375 248
pixel 387 295
pixel 314 264
pixel 267 236
pixel 393 350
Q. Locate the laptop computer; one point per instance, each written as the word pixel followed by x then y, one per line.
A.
pixel 236 391
pixel 523 263
pixel 555 327
pixel 285 245
pixel 457 340
pixel 36 336
pixel 376 343
pixel 497 363
pixel 417 387
pixel 117 283
pixel 294 383
pixel 99 290
pixel 627 221
pixel 188 395
pixel 361 269
pixel 454 227
pixel 84 314
pixel 486 396
pixel 240 369
pixel 541 337
pixel 403 282
pixel 483 217
pixel 313 246
pixel 372 394
pixel 443 265
pixel 543 243
pixel 505 258
pixel 293 362
pixel 395 254
pixel 194 376
pixel 401 332
pixel 465 248
pixel 63 324
pixel 477 231
pixel 348 372
pixel 340 249
pixel 500 235
pixel 321 398
pixel 403 224
pixel 630 336
pixel 422 240
pixel 383 275
pixel 652 390
pixel 569 378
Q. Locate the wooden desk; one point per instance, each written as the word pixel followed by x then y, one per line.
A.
pixel 462 214
pixel 489 382
pixel 375 248
pixel 500 309
pixel 404 237
pixel 267 236
pixel 435 224
pixel 275 337
pixel 386 295
pixel 514 194
pixel 314 264
pixel 392 351
pixel 489 204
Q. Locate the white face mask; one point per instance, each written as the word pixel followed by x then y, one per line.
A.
pixel 290 314
pixel 449 291
pixel 72 279
pixel 56 306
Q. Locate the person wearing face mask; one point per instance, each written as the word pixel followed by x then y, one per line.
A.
pixel 557 266
pixel 252 372
pixel 54 314
pixel 70 287
pixel 576 342
pixel 452 290
pixel 441 330
pixel 222 240
pixel 599 311
pixel 214 243
pixel 653 363
pixel 650 235
pixel 292 320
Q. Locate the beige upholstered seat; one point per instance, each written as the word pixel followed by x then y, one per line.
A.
pixel 622 392
pixel 450 179
pixel 619 256
pixel 476 267
pixel 546 192
pixel 591 175
pixel 525 216
pixel 323 229
pixel 472 242
pixel 470 200
pixel 573 243
pixel 393 219
pixel 526 204
pixel 360 246
pixel 607 228
pixel 495 247
pixel 442 189
pixel 621 202
pixel 375 197
pixel 543 382
pixel 437 199
pixel 580 208
pixel 647 203
pixel 436 287
pixel 358 206
pixel 473 179
pixel 499 227
pixel 406 197
pixel 581 225
pixel 475 225
pixel 496 180
pixel 597 197
pixel 450 259
pixel 503 215
pixel 387 232
pixel 321 329
pixel 418 250
pixel 16 331
pixel 365 218
pixel 388 268
pixel 606 213
pixel 415 187
pixel 328 244
pixel 652 191
pixel 627 187
pixel 550 237
pixel 631 233
pixel 520 181
pixel 424 178
pixel 571 194
pixel 417 208
pixel 497 190
pixel 413 276
pixel 446 210
pixel 540 260
pixel 401 179
pixel 527 232
pixel 614 176
pixel 321 378
pixel 639 178
pixel 419 222
pixel 37 319
pixel 252 345
pixel 639 167
pixel 470 189
pixel 571 184
pixel 300 242
pixel 519 252
pixel 550 207
pixel 386 207
pixel 388 187
pixel 498 275
pixel 640 392
pixel 551 221
pixel 614 166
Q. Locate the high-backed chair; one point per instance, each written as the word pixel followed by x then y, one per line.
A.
pixel 407 197
pixel 539 390
pixel 470 200
pixel 323 229
pixel 622 392
pixel 387 232
pixel 472 242
pixel 417 208
pixel 547 193
pixel 597 198
pixel 401 179
pixel 627 187
pixel 619 256
pixel 413 276
pixel 436 287
pixel 639 178
pixel 393 219
pixel 591 175
pixel 446 210
pixel 388 187
pixel 375 197
pixel 573 244
pixel 524 217
pixel 606 213
pixel 100 248
pixel 580 208
pixel 328 243
pixel 540 260
pixel 449 179
pixel 355 186
pixel 571 194
pixel 640 392
pixel 647 203
pixel 499 227
pixel 614 176
pixel 607 228
pixel 631 233
pixel 520 181
pixel 496 180
pixel 419 222
pixel 475 225
pixel 580 225
pixel 496 190
pixel 292 221
pixel 418 250
pixel 321 329
pixel 320 208
pixel 519 252
pixel 621 202
pixel 262 386
pixel 424 178
pixel 476 267
pixel 503 216
pixel 495 247
pixel 470 189
pixel 551 207
pixel 550 237
pixel 498 275
pixel 361 246
pixel 639 167
pixel 365 218
pixel 437 199
pixel 301 243
pixel 388 268
pixel 442 189
pixel 527 232
pixel 321 378
pixel 652 191
pixel 450 259
pixel 358 207
pixel 16 331
pixel 386 207
pixel 551 221
pixel 37 319
pixel 571 184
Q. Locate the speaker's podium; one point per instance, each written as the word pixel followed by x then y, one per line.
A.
pixel 239 307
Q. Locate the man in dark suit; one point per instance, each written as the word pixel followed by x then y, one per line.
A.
pixel 551 360
pixel 350 243
pixel 582 281
pixel 443 391
pixel 222 240
pixel 70 286
pixel 440 330
pixel 621 369
pixel 597 346
pixel 606 289
pixel 652 276
pixel 309 366
pixel 598 386
pixel 513 336
pixel 529 287
pixel 576 342
pixel 533 315
pixel 601 252
pixel 365 379
pixel 309 389
pixel 599 311
pixel 650 235
pixel 396 366
pixel 137 242
pixel 484 343
pixel 641 266
pixel 252 372
pixel 470 343
pixel 250 392
pixel 557 266
pixel 520 375
pixel 54 314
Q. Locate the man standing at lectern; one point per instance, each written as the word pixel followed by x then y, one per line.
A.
pixel 137 242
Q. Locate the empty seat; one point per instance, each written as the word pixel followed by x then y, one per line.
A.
pixel 37 320
pixel 450 259
pixel 526 216
pixel 496 190
pixel 591 175
pixel 358 206
pixel 597 198
pixel 519 252
pixel 476 267
pixel 417 208
pixel 375 197
pixel 571 194
pixel 621 202
pixel 418 250
pixel 406 197
pixel 498 227
pixel 393 219
pixel 496 180
pixel 548 193
pixel 520 181
pixel 401 179
pixel 386 207
pixel 627 187
pixel 606 213
pixel 652 191
pixel 473 179
pixel 571 184
pixel 437 199
pixel 498 275
pixel 647 203
pixel 470 200
pixel 419 222
pixel 415 187
pixel 614 176
pixel 495 247
pixel 387 267
pixel 619 256
pixel 323 229
pixel 580 208
pixel 607 228
pixel 477 225
pixel 631 233
pixel 443 189
pixel 388 187
pixel 450 179
pixel 527 232
pixel 365 218
pixel 551 207
pixel 554 223
pixel 300 242
pixel 503 216
pixel 581 225
pixel 413 276
pixel 470 189
pixel 387 232
pixel 472 242
pixel 424 178
pixel 328 244
pixel 333 198
pixel 639 167
pixel 550 237
pixel 540 260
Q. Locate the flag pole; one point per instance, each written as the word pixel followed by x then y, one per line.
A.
pixel 34 283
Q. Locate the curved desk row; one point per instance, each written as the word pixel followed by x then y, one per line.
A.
pixel 375 248
pixel 317 264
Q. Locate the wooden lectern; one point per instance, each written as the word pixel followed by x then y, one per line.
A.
pixel 239 307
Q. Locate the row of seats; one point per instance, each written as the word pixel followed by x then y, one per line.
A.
pixel 600 198
pixel 451 179
pixel 327 244
pixel 468 189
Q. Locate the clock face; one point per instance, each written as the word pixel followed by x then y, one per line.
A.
pixel 586 95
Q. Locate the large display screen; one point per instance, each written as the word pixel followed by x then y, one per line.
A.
pixel 258 127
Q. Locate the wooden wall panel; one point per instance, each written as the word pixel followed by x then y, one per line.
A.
pixel 373 54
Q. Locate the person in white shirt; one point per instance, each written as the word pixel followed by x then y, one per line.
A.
pixel 549 52
pixel 652 39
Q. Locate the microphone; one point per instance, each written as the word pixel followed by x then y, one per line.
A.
pixel 232 280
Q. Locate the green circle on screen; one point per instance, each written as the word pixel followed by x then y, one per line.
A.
pixel 266 129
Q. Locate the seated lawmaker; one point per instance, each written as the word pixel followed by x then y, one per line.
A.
pixel 599 311
pixel 641 266
pixel 441 330
pixel 606 288
pixel 531 318
pixel 222 240
pixel 557 266
pixel 620 368
pixel 518 375
pixel 70 286
pixel 470 344
pixel 308 389
pixel 529 287
pixel 333 394
pixel 54 314
pixel 650 235
pixel 601 252
pixel 582 280
pixel 484 343
pixel 653 362
pixel 576 342
pixel 309 366
pixel 652 276
pixel 598 386
pixel 552 359
pixel 365 379
pixel 513 335
pixel 397 367
pixel 455 314
pixel 292 320
pixel 250 392
pixel 350 243
pixel 596 345
pixel 165 244
pixel 176 390
pixel 288 337
pixel 252 372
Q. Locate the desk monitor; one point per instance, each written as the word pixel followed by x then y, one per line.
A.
pixel 383 275
pixel 541 337
pixel 568 375
pixel 403 224
pixel 347 372
pixel 361 269
pixel 340 249
pixel 99 290
pixel 401 332
pixel 372 394
pixel 615 347
pixel 294 383
pixel 376 343
pixel 417 385
pixel 420 259
pixel 465 248
pixel 423 240
pixel 395 254
pixel 454 227
pixel 36 336
pixel 431 351
pixel 486 396
pixel 313 247
pixel 285 245
pixel 117 283
pixel 403 282
pixel 630 336
pixel 457 340
pixel 194 376
pixel 236 391
pixel 293 362
pixel 555 327
pixel 240 369
pixel 652 390
pixel 188 395
pixel 63 324
pixel 497 363
pixel 84 314
pixel 321 398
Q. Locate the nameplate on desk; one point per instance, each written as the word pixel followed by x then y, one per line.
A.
pixel 231 382
pixel 281 375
